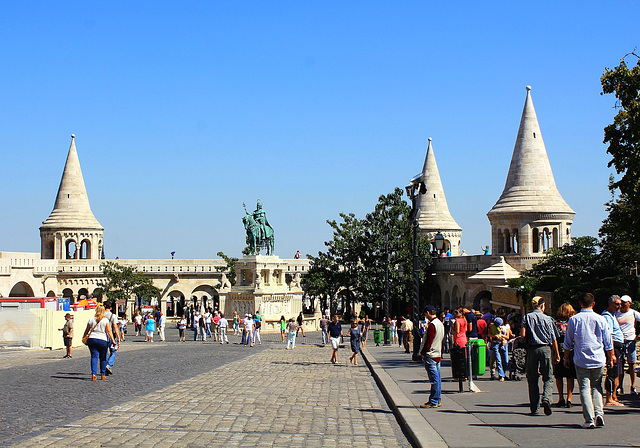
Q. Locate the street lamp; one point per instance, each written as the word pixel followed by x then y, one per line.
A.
pixel 438 240
pixel 415 188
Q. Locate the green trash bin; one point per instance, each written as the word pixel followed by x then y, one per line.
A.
pixel 478 356
pixel 377 336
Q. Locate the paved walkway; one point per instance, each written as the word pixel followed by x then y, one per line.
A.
pixel 495 417
pixel 267 396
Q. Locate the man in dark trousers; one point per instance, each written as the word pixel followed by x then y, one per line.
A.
pixel 540 333
pixel 431 352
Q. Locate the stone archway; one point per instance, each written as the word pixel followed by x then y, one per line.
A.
pixel 178 301
pixel 483 298
pixel 21 289
pixel 51 294
pixel 205 296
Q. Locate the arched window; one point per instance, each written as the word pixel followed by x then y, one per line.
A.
pixel 500 242
pixel 507 241
pixel 85 249
pixel 515 244
pixel 535 239
pixel 556 243
pixel 71 249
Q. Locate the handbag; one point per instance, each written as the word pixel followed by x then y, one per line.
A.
pixel 85 338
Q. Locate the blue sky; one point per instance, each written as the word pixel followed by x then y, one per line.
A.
pixel 182 111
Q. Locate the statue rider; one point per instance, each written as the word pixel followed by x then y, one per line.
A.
pixel 260 217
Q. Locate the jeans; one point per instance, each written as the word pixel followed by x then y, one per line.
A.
pixel 539 358
pixel 291 340
pixel 111 359
pixel 195 333
pixel 236 328
pixel 433 371
pixel 590 383
pixel 502 358
pixel 325 338
pixel 256 336
pixel 208 329
pixel 98 349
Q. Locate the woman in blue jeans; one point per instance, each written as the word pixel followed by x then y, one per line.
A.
pixel 100 336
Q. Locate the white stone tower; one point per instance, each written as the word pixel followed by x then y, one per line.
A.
pixel 434 212
pixel 531 216
pixel 71 231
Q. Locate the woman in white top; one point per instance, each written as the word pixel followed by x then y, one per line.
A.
pixel 100 336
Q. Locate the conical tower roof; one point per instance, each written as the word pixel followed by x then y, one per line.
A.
pixel 530 186
pixel 72 209
pixel 434 212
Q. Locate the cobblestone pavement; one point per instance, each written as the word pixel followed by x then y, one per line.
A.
pixel 194 394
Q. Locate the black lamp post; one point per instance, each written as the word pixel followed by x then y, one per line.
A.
pixel 416 187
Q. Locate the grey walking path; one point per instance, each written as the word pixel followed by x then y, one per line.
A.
pixel 496 416
pixel 196 394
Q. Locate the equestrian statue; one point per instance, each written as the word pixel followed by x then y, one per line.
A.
pixel 259 232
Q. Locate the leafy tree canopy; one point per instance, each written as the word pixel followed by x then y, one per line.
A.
pixel 230 268
pixel 121 282
pixel 356 256
pixel 621 229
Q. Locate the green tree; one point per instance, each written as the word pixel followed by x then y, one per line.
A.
pixel 572 270
pixel 356 256
pixel 230 267
pixel 620 231
pixel 121 282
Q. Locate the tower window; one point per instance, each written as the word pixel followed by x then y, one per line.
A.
pixel 534 135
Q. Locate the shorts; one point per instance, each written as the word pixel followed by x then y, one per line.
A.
pixel 629 352
pixel 617 368
pixel 394 332
pixel 335 342
pixel 68 342
pixel 150 333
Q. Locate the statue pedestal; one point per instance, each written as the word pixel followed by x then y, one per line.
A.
pixel 266 285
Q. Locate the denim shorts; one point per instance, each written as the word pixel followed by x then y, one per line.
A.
pixel 630 351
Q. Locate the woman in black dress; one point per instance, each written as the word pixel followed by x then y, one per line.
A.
pixel 356 335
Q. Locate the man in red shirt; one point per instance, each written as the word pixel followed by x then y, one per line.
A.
pixel 431 352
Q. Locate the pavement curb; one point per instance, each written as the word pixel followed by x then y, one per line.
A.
pixel 416 426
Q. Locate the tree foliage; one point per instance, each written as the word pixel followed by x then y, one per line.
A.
pixel 230 267
pixel 356 256
pixel 620 231
pixel 121 282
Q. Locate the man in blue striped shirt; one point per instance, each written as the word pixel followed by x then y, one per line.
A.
pixel 590 339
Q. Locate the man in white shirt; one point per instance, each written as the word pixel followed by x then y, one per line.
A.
pixel 248 328
pixel 207 321
pixel 627 319
pixel 223 324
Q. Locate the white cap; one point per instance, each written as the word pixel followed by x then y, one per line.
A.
pixel 626 298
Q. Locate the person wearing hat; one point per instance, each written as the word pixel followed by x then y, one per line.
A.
pixel 499 339
pixel 431 353
pixel 67 334
pixel 627 319
pixel 540 335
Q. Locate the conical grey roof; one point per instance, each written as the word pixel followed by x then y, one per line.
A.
pixel 72 209
pixel 530 185
pixel 432 205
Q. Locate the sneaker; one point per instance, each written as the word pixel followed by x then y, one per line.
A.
pixel 430 405
pixel 599 420
pixel 632 391
pixel 547 407
pixel 108 371
pixel 588 425
pixel 620 391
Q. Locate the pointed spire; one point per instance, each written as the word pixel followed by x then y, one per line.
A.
pixel 530 185
pixel 434 212
pixel 72 209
